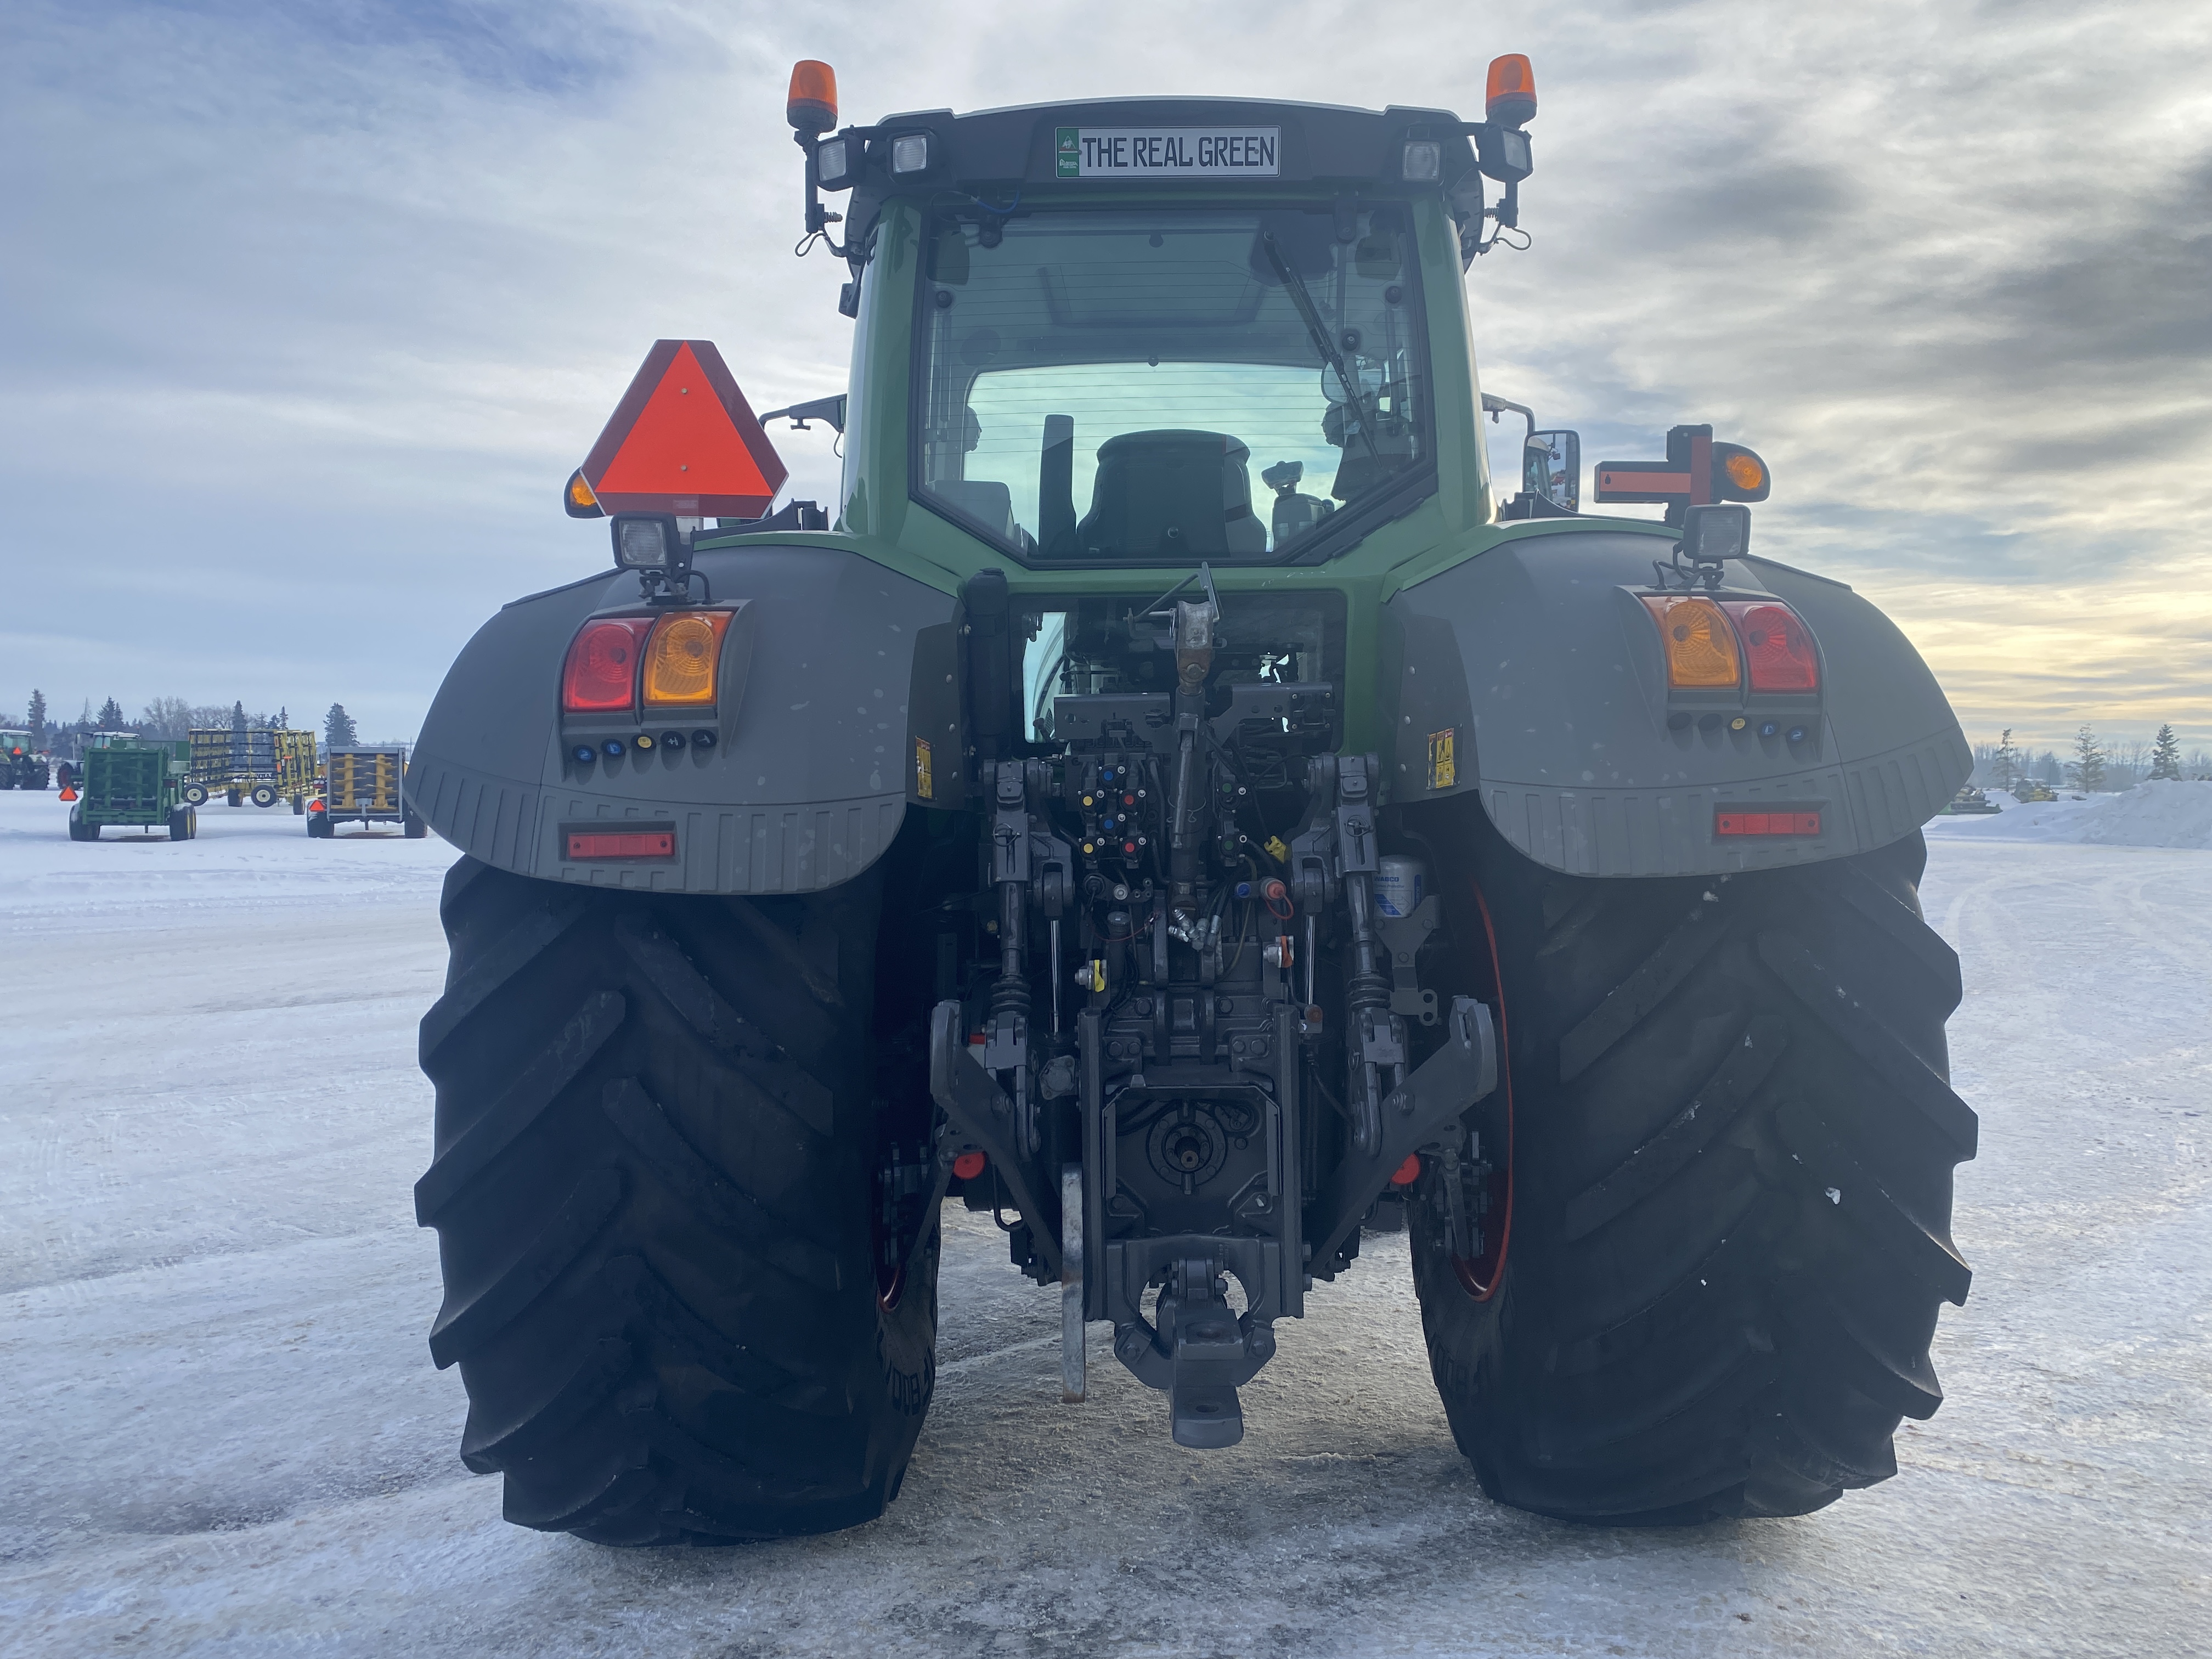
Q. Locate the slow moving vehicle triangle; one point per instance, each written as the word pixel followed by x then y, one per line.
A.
pixel 684 440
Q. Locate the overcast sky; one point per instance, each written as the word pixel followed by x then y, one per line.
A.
pixel 309 308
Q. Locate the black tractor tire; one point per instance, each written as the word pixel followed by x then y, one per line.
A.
pixel 319 826
pixel 299 805
pixel 231 798
pixel 183 824
pixel 80 830
pixel 655 1189
pixel 1729 1146
pixel 412 826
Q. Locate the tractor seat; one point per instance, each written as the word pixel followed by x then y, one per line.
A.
pixel 1172 495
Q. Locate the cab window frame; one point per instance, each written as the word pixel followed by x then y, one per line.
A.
pixel 1334 536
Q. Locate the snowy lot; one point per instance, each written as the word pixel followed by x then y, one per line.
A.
pixel 224 1435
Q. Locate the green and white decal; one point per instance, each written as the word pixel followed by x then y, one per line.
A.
pixel 1168 152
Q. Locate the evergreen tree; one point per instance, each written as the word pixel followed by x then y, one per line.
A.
pixel 36 720
pixel 2005 762
pixel 2165 754
pixel 238 719
pixel 111 715
pixel 338 731
pixel 2086 771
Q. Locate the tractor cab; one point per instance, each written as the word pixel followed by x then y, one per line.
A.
pixel 1162 331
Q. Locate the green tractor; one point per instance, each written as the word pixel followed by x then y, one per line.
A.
pixel 22 764
pixel 1189 874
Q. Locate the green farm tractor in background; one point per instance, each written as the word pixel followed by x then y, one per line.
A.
pixel 23 765
pixel 1176 801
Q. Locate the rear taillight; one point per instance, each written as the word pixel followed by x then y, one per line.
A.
pixel 1777 646
pixel 601 673
pixel 621 844
pixel 681 658
pixel 1738 820
pixel 1701 654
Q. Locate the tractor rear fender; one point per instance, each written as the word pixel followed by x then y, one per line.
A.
pixel 1534 674
pixel 838 706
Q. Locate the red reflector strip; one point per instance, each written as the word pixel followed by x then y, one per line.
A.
pixel 1767 823
pixel 623 844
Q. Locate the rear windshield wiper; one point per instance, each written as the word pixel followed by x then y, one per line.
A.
pixel 1295 286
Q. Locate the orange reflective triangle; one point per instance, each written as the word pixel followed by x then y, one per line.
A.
pixel 684 440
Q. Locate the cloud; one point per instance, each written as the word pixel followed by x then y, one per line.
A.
pixel 311 309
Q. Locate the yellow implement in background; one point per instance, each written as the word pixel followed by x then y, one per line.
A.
pixel 367 785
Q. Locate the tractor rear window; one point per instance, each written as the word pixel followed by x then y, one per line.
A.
pixel 1169 385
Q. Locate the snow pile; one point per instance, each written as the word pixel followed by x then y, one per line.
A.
pixel 2165 814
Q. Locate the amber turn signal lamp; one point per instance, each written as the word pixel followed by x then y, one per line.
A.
pixel 600 676
pixel 1776 645
pixel 1701 654
pixel 1511 95
pixel 812 105
pixel 577 499
pixel 681 658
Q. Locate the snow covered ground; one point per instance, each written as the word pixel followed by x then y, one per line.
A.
pixel 2168 814
pixel 223 1434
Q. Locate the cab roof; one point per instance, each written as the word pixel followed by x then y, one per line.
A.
pixel 1002 150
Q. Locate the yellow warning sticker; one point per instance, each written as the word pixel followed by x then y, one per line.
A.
pixel 1443 758
pixel 924 785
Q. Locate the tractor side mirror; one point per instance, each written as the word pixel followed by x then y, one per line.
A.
pixel 1552 467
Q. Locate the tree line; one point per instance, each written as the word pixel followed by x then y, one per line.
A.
pixel 166 719
pixel 2092 764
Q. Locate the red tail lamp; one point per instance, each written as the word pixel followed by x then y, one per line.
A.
pixel 621 844
pixel 601 672
pixel 1734 821
pixel 1777 646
